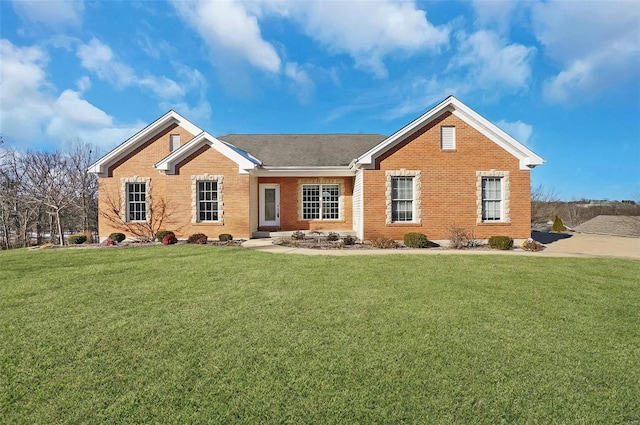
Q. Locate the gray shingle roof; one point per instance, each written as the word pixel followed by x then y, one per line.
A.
pixel 616 225
pixel 283 150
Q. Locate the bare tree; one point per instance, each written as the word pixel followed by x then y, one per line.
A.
pixel 543 204
pixel 80 156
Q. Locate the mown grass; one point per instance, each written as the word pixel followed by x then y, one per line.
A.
pixel 193 334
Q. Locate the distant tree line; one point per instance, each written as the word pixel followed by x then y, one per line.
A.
pixel 546 204
pixel 45 195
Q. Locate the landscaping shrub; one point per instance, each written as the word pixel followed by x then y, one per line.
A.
pixel 169 239
pixel 531 245
pixel 333 236
pixel 349 240
pixel 297 235
pixel 558 225
pixel 198 238
pixel 500 242
pixel 109 242
pixel 77 239
pixel 117 237
pixel 416 240
pixel 384 243
pixel 224 237
pixel 162 233
pixel 458 238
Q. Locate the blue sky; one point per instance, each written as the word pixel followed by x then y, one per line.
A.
pixel 562 77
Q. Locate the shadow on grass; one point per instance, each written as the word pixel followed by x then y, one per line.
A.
pixel 549 237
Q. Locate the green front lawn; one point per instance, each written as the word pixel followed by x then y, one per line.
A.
pixel 201 334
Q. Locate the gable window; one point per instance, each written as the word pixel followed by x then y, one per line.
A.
pixel 320 202
pixel 401 199
pixel 174 142
pixel 208 200
pixel 136 202
pixel 447 138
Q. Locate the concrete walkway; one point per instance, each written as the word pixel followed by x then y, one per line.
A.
pixel 574 245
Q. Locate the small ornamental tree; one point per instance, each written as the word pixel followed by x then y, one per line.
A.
pixel 169 239
pixel 558 225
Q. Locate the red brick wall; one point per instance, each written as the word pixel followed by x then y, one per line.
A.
pixel 448 180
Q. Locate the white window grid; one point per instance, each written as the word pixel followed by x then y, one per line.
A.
pixel 136 202
pixel 492 198
pixel 208 200
pixel 401 199
pixel 320 202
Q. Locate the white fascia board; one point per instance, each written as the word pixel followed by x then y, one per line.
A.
pixel 317 171
pixel 100 166
pixel 168 163
pixel 528 159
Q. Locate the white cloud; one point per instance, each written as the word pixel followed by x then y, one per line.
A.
pixel 492 62
pixel 495 14
pixel 53 13
pixel 83 83
pixel 516 129
pixel 99 58
pixel 368 31
pixel 32 114
pixel 303 84
pixel 230 27
pixel 597 50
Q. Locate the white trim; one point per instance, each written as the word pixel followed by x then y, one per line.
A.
pixel 321 182
pixel 101 166
pixel 168 163
pixel 263 221
pixel 448 137
pixel 124 206
pixel 505 186
pixel 528 159
pixel 194 197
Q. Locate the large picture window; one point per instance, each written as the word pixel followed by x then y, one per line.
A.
pixel 402 199
pixel 136 202
pixel 320 202
pixel 208 201
pixel 491 199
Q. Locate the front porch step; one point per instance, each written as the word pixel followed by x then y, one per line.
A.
pixel 286 233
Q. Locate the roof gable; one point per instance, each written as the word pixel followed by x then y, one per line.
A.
pixel 101 166
pixel 244 160
pixel 528 159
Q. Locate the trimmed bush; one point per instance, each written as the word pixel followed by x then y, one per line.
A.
pixel 297 235
pixel 333 236
pixel 117 237
pixel 162 233
pixel 109 242
pixel 169 239
pixel 531 245
pixel 416 240
pixel 558 225
pixel 384 243
pixel 225 237
pixel 349 240
pixel 198 238
pixel 77 239
pixel 500 242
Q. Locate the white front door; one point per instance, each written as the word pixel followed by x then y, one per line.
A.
pixel 270 205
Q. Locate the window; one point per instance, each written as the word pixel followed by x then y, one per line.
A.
pixel 320 202
pixel 447 138
pixel 491 199
pixel 208 201
pixel 401 199
pixel 136 202
pixel 174 142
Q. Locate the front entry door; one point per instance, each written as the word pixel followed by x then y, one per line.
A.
pixel 270 205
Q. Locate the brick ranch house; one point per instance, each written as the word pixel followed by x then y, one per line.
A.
pixel 449 167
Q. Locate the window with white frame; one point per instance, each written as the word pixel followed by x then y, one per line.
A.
pixel 401 199
pixel 447 138
pixel 492 199
pixel 208 200
pixel 136 202
pixel 320 202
